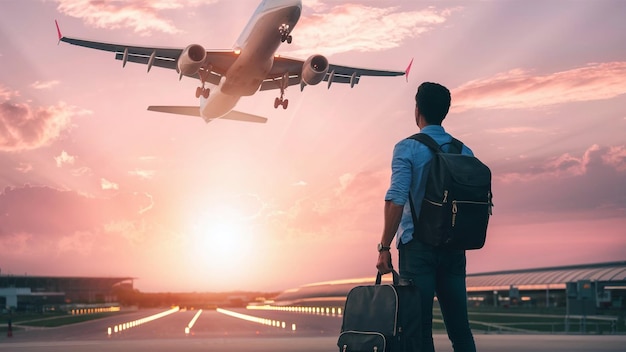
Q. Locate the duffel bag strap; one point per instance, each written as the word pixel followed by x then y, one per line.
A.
pixel 396 277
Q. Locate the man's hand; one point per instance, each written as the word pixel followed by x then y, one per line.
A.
pixel 384 262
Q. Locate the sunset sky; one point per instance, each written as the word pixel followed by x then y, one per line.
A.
pixel 92 184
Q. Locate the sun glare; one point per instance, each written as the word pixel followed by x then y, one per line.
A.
pixel 221 238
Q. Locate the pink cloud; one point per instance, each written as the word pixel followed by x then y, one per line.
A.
pixel 142 16
pixel 7 94
pixel 61 212
pixel 566 165
pixel 520 89
pixel 588 186
pixel 143 174
pixel 352 27
pixel 81 242
pixel 108 185
pixel 45 85
pixel 21 128
pixel 557 241
pixel 64 158
pixel 616 157
pixel 354 205
pixel 24 167
pixel 514 130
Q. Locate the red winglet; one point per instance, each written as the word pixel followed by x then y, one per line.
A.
pixel 58 30
pixel 408 69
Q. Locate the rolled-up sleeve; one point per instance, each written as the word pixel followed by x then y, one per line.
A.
pixel 401 170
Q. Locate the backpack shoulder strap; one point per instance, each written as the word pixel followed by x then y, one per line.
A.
pixel 427 141
pixel 456 146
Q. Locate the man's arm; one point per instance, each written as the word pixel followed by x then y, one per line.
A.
pixel 393 215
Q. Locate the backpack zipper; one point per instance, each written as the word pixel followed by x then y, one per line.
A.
pixel 444 201
pixel 455 209
pixel 384 340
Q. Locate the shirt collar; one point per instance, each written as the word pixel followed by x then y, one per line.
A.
pixel 433 129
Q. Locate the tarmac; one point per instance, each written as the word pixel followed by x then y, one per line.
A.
pixel 240 330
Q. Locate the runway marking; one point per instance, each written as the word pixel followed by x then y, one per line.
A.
pixel 330 311
pixel 192 322
pixel 134 323
pixel 274 323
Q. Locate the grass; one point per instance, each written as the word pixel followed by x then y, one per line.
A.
pixel 48 320
pixel 535 321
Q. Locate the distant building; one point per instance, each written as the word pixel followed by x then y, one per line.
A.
pixel 582 289
pixel 35 292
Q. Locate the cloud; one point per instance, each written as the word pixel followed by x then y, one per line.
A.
pixel 514 130
pixel 616 157
pixel 44 85
pixel 7 94
pixel 142 16
pixel 315 5
pixel 144 174
pixel 147 207
pixel 354 205
pixel 362 28
pixel 81 242
pixel 40 225
pixel 63 159
pixel 49 213
pixel 519 89
pixel 567 165
pixel 22 128
pixel 590 184
pixel 83 170
pixel 108 185
pixel 24 168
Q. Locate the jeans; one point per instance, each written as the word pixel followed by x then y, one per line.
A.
pixel 442 272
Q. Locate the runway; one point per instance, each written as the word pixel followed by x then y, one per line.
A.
pixel 248 330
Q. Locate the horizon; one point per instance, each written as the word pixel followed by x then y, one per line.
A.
pixel 92 184
pixel 330 282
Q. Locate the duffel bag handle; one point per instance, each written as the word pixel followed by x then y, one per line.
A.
pixel 396 277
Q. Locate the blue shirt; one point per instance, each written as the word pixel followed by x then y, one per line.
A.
pixel 409 167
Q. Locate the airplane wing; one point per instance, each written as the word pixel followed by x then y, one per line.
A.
pixel 336 73
pixel 156 56
pixel 195 111
pixel 222 60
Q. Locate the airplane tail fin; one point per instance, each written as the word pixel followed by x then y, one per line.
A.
pixel 195 111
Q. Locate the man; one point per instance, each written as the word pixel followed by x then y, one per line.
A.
pixel 433 270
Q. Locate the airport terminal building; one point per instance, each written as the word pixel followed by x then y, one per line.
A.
pixel 36 293
pixel 582 289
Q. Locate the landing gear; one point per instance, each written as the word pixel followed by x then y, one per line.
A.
pixel 284 83
pixel 280 101
pixel 204 73
pixel 284 33
pixel 204 92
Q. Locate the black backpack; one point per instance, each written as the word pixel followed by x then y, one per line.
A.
pixel 458 200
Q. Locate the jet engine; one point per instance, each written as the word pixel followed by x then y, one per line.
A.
pixel 314 69
pixel 191 59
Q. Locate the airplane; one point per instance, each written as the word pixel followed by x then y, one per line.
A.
pixel 252 65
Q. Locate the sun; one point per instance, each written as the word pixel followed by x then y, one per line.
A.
pixel 221 237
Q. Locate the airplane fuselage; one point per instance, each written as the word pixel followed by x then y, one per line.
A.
pixel 257 45
pixel 251 65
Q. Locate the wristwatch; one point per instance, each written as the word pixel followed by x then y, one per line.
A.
pixel 382 248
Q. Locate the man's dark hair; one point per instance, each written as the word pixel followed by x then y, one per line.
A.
pixel 433 102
